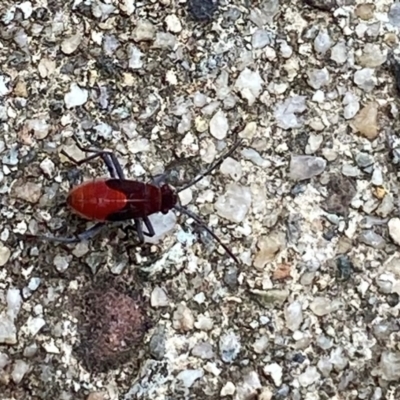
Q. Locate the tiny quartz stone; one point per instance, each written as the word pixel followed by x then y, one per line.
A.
pixel 219 125
pixel 276 373
pixel 339 53
pixel 352 105
pixel 183 319
pixel 235 203
pixel 294 315
pixel 159 298
pixel 144 31
pixel 322 306
pixel 76 96
pixel 394 230
pixel 308 377
pixel 173 23
pixel 285 113
pixel 322 42
pixel 306 167
pixel 372 56
pixel 318 78
pixel 228 389
pixel 390 365
pixel 203 350
pixel 71 44
pixel 28 191
pixel 261 345
pixel 372 239
pixel 19 371
pixel 249 84
pixel 189 376
pixel 365 79
pixel 5 254
pixel 97 396
pixel 269 247
pixel 394 14
pixel 135 57
pixel 232 168
pixel 229 346
pixel 260 39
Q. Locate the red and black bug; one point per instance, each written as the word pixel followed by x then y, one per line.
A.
pixel 118 199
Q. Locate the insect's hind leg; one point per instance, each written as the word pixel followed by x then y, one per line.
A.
pixel 86 235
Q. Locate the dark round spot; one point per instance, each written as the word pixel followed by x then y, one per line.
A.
pixel 202 10
pixel 392 299
pixel 112 325
pixel 299 358
pixel 345 267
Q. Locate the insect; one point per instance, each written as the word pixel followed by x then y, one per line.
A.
pixel 116 199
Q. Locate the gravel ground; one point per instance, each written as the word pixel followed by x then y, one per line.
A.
pixel 308 202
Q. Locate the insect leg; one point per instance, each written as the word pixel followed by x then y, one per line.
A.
pixel 149 227
pixel 86 235
pixel 139 229
pixel 109 158
pixel 104 155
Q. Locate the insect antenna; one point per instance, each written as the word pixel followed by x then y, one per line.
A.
pixel 212 167
pixel 198 220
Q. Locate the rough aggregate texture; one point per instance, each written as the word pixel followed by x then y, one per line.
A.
pixel 309 203
pixel 112 324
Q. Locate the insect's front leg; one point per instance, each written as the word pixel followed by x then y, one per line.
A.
pixel 149 227
pixel 138 228
pixel 108 157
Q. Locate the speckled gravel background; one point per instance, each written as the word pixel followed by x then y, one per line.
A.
pixel 309 203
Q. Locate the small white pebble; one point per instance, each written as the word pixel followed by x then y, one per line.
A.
pixel 20 228
pixel 48 167
pixel 173 23
pixel 275 371
pixel 200 298
pixel 5 254
pixel 171 78
pixel 19 371
pixel 219 125
pixel 76 96
pixel 159 298
pixel 228 389
pixel 61 263
pixel 186 196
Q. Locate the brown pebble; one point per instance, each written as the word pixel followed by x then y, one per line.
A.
pixel 282 272
pixel 366 121
pixel 20 89
pixel 365 11
pixel 97 396
pixel 26 191
pixel 379 192
pixel 269 248
pixel 390 39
